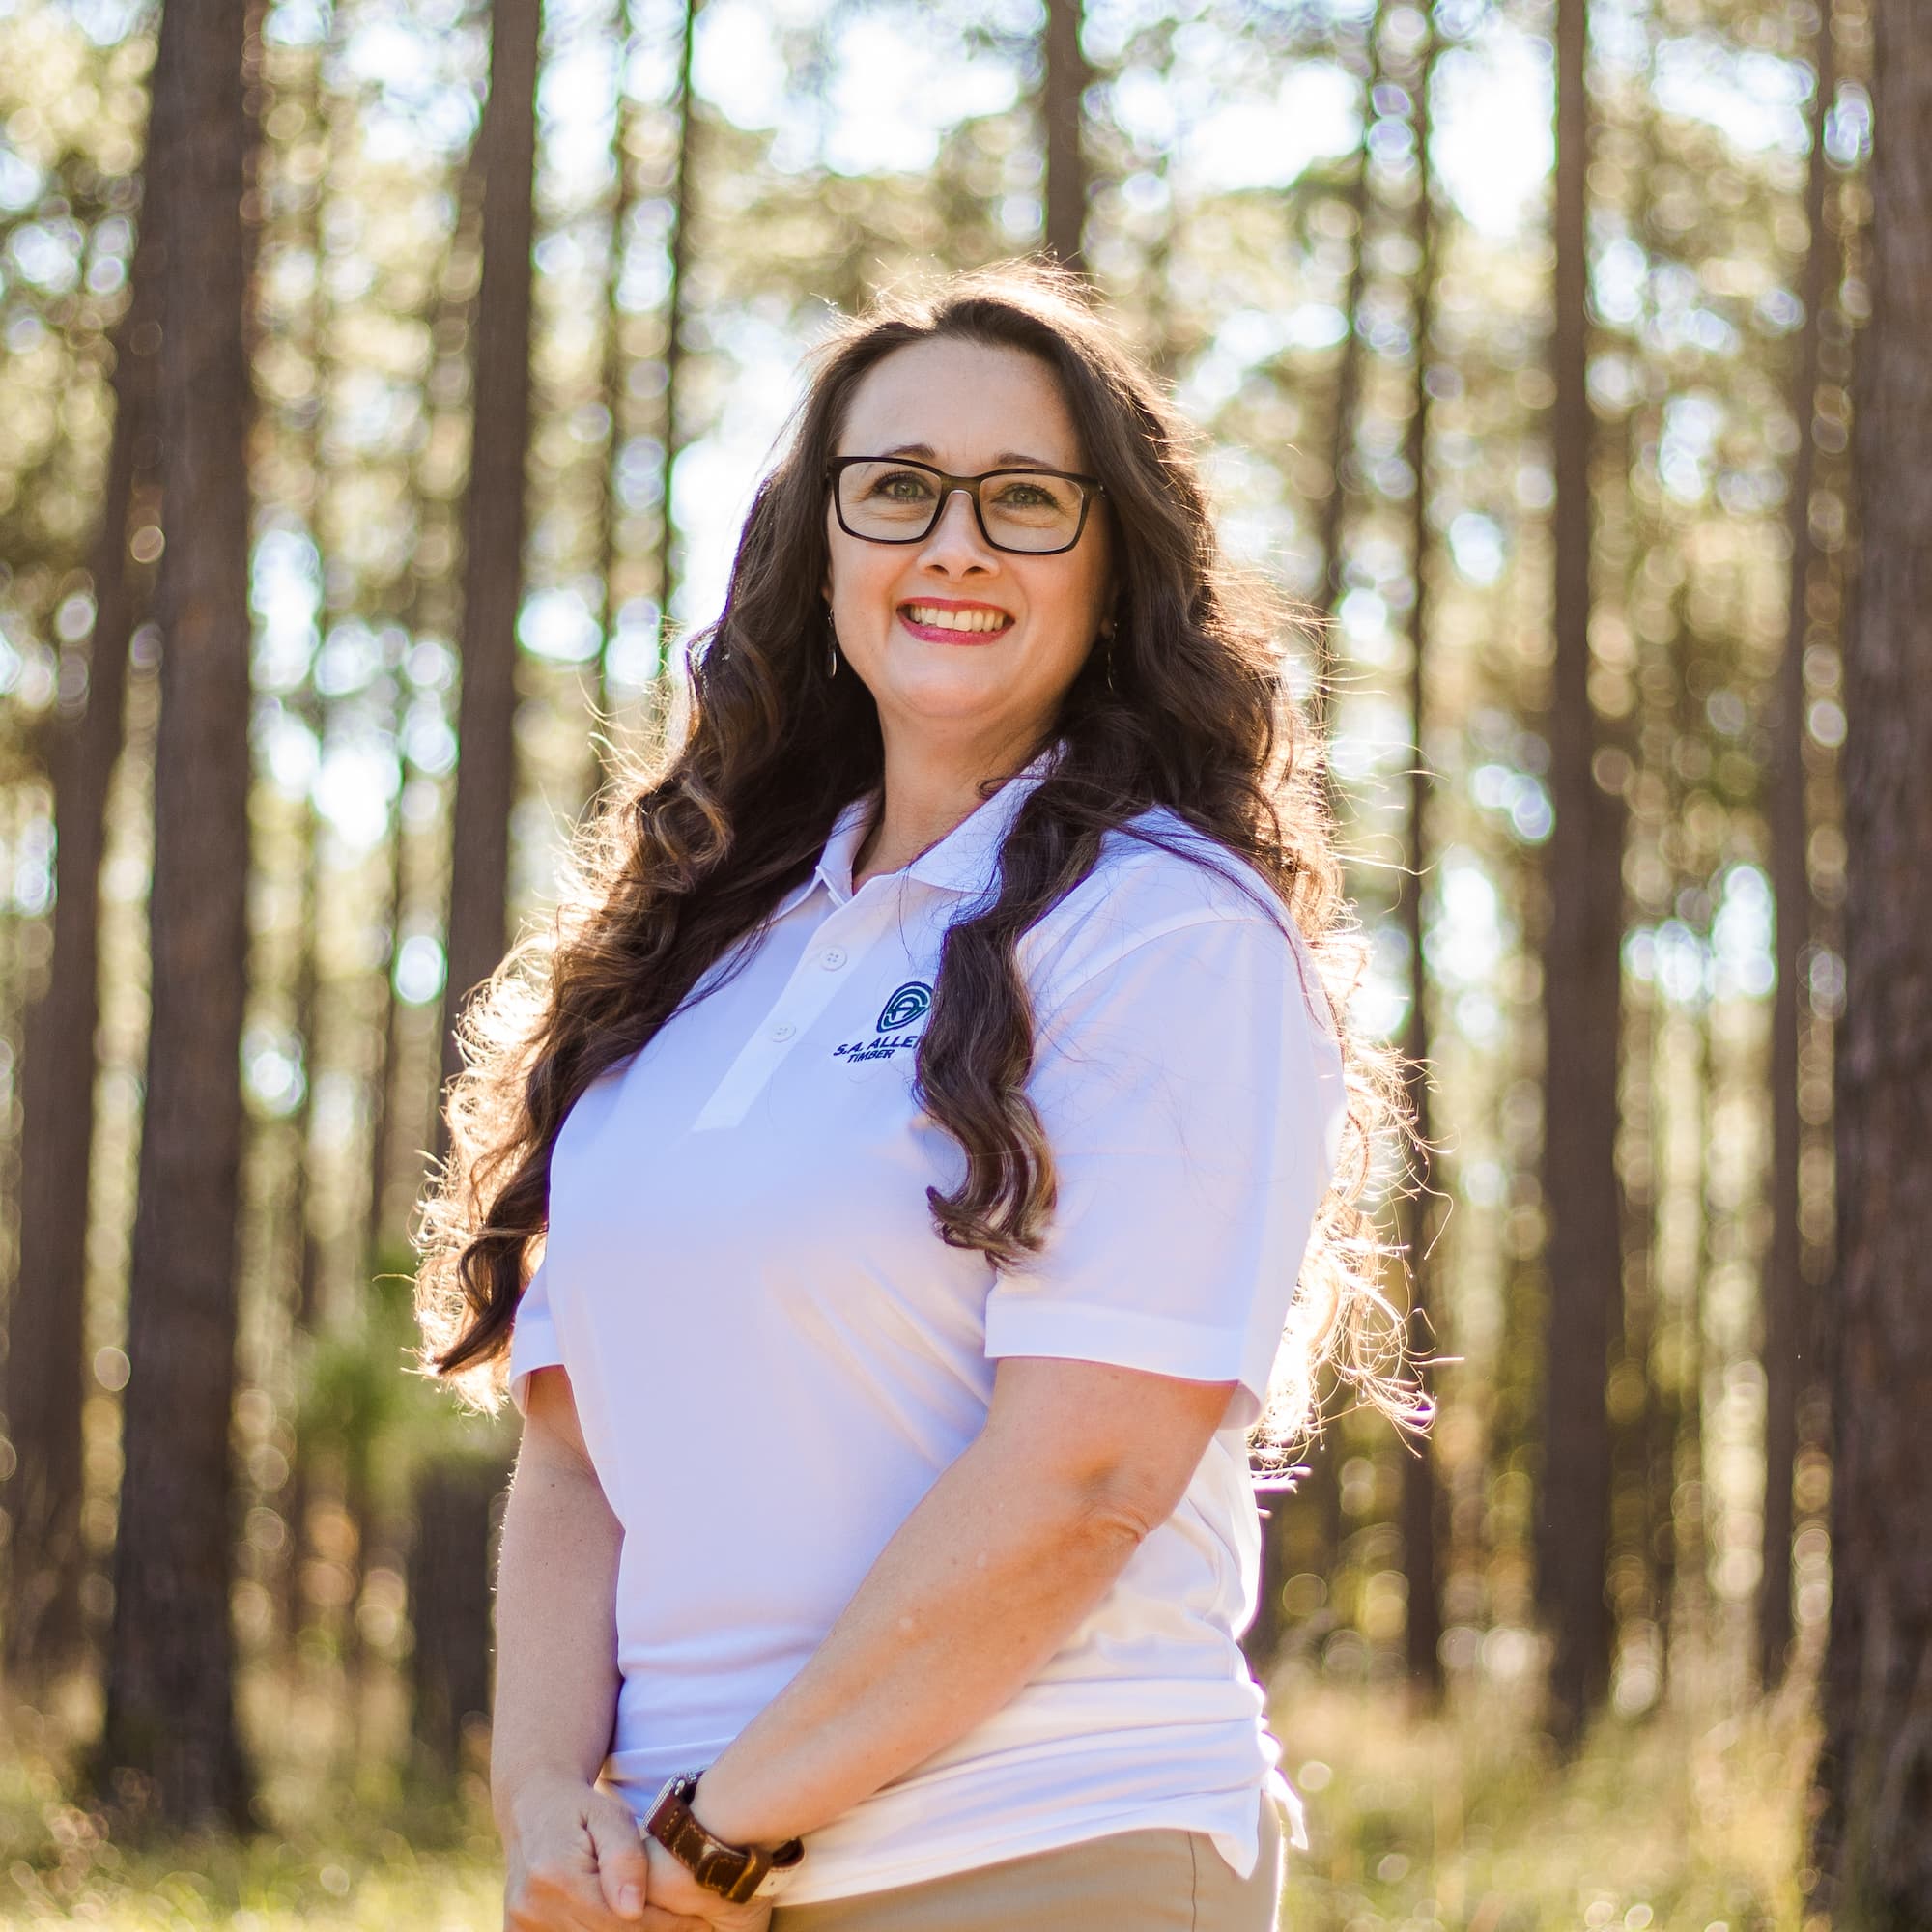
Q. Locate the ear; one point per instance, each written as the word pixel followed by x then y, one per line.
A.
pixel 1111 622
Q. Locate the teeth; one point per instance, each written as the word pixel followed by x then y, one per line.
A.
pixel 935 618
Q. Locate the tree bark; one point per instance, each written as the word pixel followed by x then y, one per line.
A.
pixel 450 1604
pixel 1783 1280
pixel 1341 481
pixel 302 1252
pixel 611 376
pixel 169 1748
pixel 1584 898
pixel 682 190
pixel 1065 76
pixel 1421 1505
pixel 304 1256
pixel 494 528
pixel 1873 1845
pixel 45 1369
pixel 397 1088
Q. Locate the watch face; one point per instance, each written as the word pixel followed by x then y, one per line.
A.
pixel 679 1789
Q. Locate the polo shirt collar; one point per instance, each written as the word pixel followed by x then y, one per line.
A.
pixel 962 862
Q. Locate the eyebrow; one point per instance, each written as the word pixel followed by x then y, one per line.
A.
pixel 924 452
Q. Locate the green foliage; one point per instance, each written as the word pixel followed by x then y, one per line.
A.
pixel 361 1400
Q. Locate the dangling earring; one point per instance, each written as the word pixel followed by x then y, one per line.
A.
pixel 1111 685
pixel 831 646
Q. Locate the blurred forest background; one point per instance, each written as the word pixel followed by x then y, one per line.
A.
pixel 379 378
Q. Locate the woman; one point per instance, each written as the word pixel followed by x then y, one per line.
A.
pixel 926 1107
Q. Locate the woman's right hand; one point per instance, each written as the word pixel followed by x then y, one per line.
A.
pixel 576 1864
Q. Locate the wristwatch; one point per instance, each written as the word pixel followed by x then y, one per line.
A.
pixel 735 1872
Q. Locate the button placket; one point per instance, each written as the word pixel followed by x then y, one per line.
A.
pixel 813 985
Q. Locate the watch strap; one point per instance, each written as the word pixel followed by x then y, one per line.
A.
pixel 736 1873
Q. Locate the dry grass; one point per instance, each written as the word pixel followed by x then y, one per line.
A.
pixel 1686 1822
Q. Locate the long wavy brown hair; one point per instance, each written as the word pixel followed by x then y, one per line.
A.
pixel 693 843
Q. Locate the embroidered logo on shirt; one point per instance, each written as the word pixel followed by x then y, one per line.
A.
pixel 911 1002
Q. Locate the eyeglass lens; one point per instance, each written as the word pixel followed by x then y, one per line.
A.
pixel 1023 509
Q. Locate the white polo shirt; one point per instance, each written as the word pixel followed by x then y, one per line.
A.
pixel 774 1355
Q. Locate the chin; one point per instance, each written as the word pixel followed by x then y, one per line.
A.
pixel 950 700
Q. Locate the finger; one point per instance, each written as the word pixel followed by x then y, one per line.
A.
pixel 564 1901
pixel 623 1869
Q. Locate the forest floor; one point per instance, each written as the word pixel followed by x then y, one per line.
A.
pixel 1683 1821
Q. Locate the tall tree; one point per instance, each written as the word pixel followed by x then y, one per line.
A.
pixel 493 524
pixel 43 1365
pixel 170 1715
pixel 1342 483
pixel 1066 79
pixel 682 189
pixel 1783 1280
pixel 431 607
pixel 1320 1493
pixel 448 1582
pixel 1874 1836
pixel 622 201
pixel 1583 901
pixel 303 1258
pixel 1421 1504
pixel 486 738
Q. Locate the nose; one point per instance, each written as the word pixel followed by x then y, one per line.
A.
pixel 954 543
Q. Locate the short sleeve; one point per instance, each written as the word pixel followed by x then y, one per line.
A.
pixel 534 1340
pixel 1191 1091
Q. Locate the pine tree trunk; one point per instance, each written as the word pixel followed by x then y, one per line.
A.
pixel 397 1082
pixel 169 1746
pixel 1874 1837
pixel 1332 531
pixel 683 191
pixel 43 1371
pixel 1065 81
pixel 1584 898
pixel 305 1253
pixel 386 1076
pixel 302 1251
pixel 450 1604
pixel 493 526
pixel 1784 1280
pixel 611 378
pixel 1420 1506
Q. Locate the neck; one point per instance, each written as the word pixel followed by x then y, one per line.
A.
pixel 927 795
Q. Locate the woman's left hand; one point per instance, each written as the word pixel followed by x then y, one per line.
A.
pixel 673 1889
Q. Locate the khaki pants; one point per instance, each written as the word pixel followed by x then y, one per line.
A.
pixel 1146 1881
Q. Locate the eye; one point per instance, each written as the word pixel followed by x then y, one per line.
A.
pixel 900 486
pixel 1036 500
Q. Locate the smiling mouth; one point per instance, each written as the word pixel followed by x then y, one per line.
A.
pixel 983 621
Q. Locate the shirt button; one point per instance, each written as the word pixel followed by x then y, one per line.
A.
pixel 833 956
pixel 783 1030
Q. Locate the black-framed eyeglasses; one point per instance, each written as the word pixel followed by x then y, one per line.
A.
pixel 893 499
